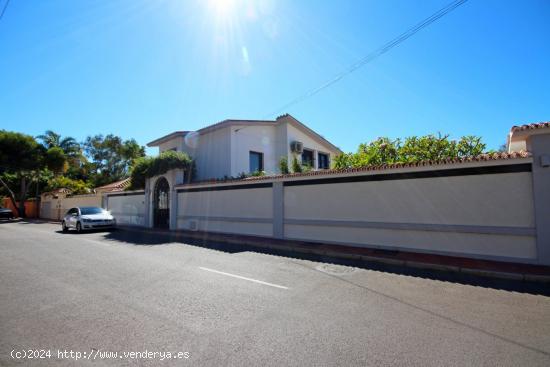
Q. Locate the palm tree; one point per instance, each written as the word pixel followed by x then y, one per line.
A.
pixel 70 146
pixel 50 139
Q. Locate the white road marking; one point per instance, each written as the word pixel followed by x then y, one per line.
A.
pixel 244 278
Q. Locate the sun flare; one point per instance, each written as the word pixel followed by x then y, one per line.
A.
pixel 223 8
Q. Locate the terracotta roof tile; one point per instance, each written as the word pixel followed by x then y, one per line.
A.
pixel 116 186
pixel 480 158
pixel 536 125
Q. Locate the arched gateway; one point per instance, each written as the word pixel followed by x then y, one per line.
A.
pixel 161 204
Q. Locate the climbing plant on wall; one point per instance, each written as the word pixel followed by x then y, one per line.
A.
pixel 147 167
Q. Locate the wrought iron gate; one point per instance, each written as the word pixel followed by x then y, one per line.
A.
pixel 162 204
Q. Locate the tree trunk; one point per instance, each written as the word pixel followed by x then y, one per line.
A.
pixel 23 197
pixel 11 194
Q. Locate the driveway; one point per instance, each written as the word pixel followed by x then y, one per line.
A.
pixel 121 292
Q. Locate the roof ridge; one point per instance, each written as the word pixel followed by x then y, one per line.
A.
pixel 232 120
pixel 535 125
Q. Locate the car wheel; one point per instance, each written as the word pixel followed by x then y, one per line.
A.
pixel 78 227
pixel 64 227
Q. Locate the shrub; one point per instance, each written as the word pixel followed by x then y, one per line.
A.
pixel 77 187
pixel 296 166
pixel 283 165
pixel 257 173
pixel 411 149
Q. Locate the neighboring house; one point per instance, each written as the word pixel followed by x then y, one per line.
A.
pixel 113 187
pixel 521 137
pixel 232 147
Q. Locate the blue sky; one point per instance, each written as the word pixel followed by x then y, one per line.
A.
pixel 143 69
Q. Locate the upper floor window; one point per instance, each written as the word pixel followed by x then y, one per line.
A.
pixel 307 158
pixel 256 160
pixel 324 162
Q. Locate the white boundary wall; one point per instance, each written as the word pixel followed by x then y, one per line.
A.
pixel 486 214
pixel 56 207
pixel 244 211
pixel 128 208
pixel 478 209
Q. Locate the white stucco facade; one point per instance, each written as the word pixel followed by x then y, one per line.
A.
pixel 224 149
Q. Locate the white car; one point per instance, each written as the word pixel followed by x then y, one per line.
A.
pixel 87 217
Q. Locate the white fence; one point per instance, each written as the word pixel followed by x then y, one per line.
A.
pixel 241 209
pixel 128 208
pixel 484 209
pixel 480 210
pixel 55 207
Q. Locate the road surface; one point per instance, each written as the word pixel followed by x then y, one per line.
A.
pixel 103 293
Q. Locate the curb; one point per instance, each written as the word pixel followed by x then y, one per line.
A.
pixel 516 276
pixel 494 274
pixel 430 266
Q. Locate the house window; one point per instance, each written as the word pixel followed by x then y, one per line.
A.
pixel 324 162
pixel 307 158
pixel 256 161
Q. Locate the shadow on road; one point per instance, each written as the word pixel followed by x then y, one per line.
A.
pixel 164 238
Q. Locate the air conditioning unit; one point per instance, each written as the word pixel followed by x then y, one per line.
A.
pixel 296 147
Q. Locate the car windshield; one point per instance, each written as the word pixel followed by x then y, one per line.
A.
pixel 91 210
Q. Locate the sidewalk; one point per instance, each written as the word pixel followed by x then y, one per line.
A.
pixel 484 268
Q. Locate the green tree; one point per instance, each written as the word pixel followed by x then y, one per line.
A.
pixel 379 151
pixel 110 157
pixel 411 149
pixel 470 145
pixel 76 186
pixel 21 158
pixel 76 161
pixel 56 160
pixel 51 139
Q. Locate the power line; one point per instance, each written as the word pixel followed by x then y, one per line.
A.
pixel 375 54
pixel 4 8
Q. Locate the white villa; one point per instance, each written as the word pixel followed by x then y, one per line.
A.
pixel 233 147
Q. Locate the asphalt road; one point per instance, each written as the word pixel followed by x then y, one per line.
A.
pixel 121 292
